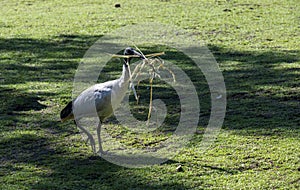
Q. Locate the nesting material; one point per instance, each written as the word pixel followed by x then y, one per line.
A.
pixel 150 66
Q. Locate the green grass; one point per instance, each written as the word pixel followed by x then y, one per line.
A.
pixel 256 44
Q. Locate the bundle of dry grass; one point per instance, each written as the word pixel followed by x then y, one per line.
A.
pixel 151 67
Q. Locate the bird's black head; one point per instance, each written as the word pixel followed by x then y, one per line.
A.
pixel 131 51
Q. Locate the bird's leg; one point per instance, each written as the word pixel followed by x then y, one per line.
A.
pixel 89 137
pixel 101 152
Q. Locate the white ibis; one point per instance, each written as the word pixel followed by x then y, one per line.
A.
pixel 104 97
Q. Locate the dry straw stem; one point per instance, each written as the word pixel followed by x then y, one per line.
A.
pixel 129 56
pixel 154 64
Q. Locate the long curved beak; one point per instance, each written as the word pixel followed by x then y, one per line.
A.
pixel 139 54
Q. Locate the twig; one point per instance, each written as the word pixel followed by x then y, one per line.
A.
pixel 150 103
pixel 129 56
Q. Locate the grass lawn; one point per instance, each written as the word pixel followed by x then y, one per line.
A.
pixel 256 44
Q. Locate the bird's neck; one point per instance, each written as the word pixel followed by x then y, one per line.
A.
pixel 124 79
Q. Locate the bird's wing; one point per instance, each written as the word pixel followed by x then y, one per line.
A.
pixel 102 97
pixel 92 100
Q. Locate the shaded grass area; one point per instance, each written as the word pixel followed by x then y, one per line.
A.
pixel 36 153
pixel 258 146
pixel 268 87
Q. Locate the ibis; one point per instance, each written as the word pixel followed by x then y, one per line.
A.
pixel 103 96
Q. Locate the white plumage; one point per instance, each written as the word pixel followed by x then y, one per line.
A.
pixel 100 100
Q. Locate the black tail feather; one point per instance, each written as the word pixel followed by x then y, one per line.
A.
pixel 67 112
